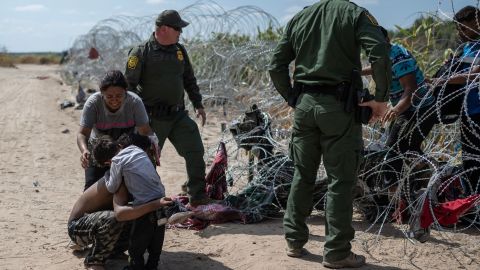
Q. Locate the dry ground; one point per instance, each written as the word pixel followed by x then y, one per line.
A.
pixel 41 178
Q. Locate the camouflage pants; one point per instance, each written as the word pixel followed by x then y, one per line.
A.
pixel 100 229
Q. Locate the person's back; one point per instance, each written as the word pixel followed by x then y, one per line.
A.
pixel 325 40
pixel 133 166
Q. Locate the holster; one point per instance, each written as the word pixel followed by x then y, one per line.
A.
pixel 293 94
pixel 363 114
pixel 345 92
pixel 356 96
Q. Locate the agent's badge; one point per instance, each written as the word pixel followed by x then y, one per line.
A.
pixel 371 18
pixel 179 55
pixel 132 62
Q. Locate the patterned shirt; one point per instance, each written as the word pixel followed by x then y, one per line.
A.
pixel 403 63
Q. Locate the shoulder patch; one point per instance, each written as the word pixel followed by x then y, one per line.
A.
pixel 371 18
pixel 132 62
pixel 179 55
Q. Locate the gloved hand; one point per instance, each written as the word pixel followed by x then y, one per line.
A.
pixel 154 140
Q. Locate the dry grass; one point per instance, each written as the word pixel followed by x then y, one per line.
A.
pixel 6 60
pixel 10 60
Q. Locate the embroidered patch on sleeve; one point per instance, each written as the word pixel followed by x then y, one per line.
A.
pixel 132 62
pixel 371 18
pixel 179 55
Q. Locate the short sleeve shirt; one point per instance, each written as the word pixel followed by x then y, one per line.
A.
pixel 96 116
pixel 403 63
pixel 132 166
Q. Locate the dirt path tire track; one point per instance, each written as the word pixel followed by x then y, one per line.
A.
pixel 33 232
pixel 35 168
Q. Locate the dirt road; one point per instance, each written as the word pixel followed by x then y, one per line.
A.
pixel 41 177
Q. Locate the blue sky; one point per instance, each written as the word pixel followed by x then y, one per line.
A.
pixel 53 25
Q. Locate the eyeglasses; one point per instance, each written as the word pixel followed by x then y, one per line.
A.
pixel 178 29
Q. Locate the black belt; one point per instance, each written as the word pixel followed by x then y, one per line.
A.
pixel 320 89
pixel 160 110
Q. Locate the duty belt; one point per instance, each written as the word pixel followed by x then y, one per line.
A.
pixel 338 91
pixel 319 89
pixel 161 110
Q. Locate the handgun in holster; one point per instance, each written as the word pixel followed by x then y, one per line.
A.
pixel 356 96
pixel 293 94
pixel 363 113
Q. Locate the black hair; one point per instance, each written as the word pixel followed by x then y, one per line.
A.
pixel 467 14
pixel 138 140
pixel 113 78
pixel 384 31
pixel 104 149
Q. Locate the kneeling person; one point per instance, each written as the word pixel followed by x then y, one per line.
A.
pixel 92 221
pixel 132 166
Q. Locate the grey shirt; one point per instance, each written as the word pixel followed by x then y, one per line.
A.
pixel 137 171
pixel 96 116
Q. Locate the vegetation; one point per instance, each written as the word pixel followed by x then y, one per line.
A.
pixel 11 59
pixel 430 40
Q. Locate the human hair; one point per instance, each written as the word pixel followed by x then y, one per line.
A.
pixel 113 78
pixel 138 140
pixel 104 149
pixel 467 14
pixel 384 32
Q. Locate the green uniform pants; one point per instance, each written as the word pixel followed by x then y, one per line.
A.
pixel 183 133
pixel 322 129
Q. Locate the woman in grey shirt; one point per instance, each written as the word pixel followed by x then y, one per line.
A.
pixel 113 111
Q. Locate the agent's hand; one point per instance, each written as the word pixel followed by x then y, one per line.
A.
pixel 201 112
pixel 379 109
pixel 165 201
pixel 84 159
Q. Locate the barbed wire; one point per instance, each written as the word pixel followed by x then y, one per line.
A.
pixel 234 75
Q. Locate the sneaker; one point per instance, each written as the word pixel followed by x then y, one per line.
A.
pixel 352 261
pixel 296 252
pixel 180 217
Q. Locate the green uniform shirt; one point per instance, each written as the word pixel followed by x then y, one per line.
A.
pixel 325 40
pixel 160 74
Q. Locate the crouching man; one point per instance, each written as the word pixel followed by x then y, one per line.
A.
pixel 92 221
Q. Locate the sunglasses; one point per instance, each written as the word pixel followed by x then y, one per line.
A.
pixel 178 29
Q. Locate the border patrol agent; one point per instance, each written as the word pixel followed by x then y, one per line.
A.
pixel 325 40
pixel 159 71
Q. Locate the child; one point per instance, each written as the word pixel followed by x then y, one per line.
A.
pixel 132 167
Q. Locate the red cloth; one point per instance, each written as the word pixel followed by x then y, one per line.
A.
pixel 447 213
pixel 93 53
pixel 216 182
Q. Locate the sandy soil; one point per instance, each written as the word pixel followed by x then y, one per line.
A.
pixel 41 178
